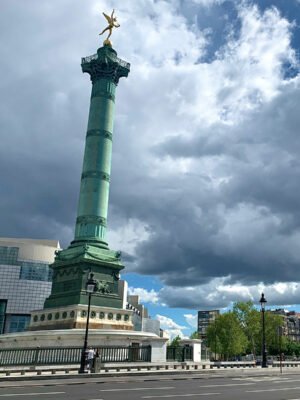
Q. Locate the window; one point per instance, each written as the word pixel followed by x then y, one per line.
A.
pixel 2 315
pixel 34 271
pixel 18 323
pixel 9 255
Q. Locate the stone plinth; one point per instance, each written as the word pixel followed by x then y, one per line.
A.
pixel 97 338
pixel 74 317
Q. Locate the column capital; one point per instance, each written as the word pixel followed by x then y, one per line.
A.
pixel 105 64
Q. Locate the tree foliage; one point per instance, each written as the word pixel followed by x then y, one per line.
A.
pixel 175 342
pixel 194 335
pixel 239 332
pixel 250 322
pixel 226 336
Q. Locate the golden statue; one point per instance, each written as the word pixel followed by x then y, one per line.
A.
pixel 112 23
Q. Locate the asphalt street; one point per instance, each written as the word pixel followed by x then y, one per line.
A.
pixel 219 388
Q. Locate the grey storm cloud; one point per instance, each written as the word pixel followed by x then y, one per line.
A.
pixel 214 198
pixel 265 180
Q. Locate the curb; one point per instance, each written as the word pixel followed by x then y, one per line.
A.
pixel 160 375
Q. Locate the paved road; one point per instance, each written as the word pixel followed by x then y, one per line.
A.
pixel 175 387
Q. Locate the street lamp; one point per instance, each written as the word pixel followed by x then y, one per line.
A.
pixel 280 332
pixel 215 326
pixel 90 288
pixel 264 351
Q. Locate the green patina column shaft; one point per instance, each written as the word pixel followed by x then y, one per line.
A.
pixel 105 69
pixel 89 251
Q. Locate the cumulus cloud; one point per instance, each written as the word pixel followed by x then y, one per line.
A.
pixel 219 294
pixel 170 326
pixel 205 172
pixel 191 319
pixel 145 296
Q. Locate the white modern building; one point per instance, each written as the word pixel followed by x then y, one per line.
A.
pixel 25 279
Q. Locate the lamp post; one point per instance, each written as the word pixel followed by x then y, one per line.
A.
pixel 90 288
pixel 264 351
pixel 280 332
pixel 215 326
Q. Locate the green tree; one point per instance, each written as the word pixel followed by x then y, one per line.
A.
pixel 250 321
pixel 272 323
pixel 234 333
pixel 291 348
pixel 212 339
pixel 175 342
pixel 226 336
pixel 194 335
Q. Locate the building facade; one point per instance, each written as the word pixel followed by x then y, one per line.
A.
pixel 140 317
pixel 290 323
pixel 205 318
pixel 25 280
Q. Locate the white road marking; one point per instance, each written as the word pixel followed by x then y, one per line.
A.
pixel 267 379
pixel 141 388
pixel 258 379
pixel 229 384
pixel 272 390
pixel 285 380
pixel 29 394
pixel 179 395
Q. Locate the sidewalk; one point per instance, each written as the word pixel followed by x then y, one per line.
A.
pixel 75 378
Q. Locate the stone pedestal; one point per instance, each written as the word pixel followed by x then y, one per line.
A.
pixel 97 338
pixel 74 317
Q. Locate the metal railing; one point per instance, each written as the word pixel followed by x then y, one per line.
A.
pixel 94 57
pixel 71 355
pixel 40 356
pixel 180 353
pixel 86 60
pixel 124 354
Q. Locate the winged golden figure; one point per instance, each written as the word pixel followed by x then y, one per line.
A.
pixel 112 23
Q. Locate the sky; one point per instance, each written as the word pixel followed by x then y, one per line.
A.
pixel 204 198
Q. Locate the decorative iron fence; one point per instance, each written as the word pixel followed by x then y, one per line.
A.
pixel 180 353
pixel 124 354
pixel 71 355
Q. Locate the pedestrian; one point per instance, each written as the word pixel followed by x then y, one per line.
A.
pixel 90 358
